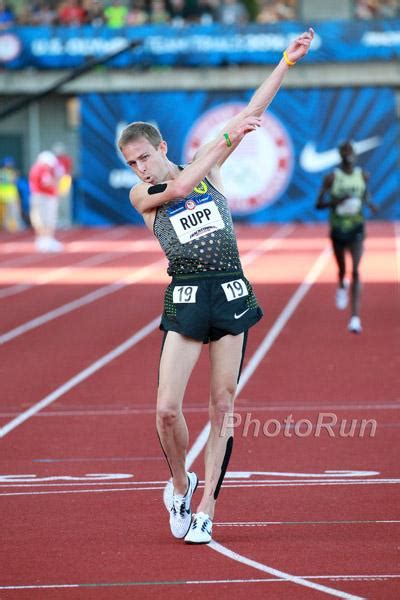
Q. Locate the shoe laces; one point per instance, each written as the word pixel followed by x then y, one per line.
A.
pixel 179 505
pixel 204 523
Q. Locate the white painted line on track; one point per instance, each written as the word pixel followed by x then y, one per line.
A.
pixel 382 577
pixel 263 247
pixel 280 574
pixel 39 257
pixel 269 523
pixel 266 245
pixel 58 273
pixel 68 385
pixel 106 290
pixel 276 238
pixel 251 366
pixel 266 344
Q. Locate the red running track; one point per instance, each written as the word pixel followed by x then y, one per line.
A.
pixel 310 506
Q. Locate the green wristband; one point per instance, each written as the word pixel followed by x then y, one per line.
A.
pixel 228 140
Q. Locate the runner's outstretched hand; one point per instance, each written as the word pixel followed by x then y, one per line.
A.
pixel 300 46
pixel 245 126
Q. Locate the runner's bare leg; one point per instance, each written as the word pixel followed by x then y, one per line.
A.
pixel 226 358
pixel 178 358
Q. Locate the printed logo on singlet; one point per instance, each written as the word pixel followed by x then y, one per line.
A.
pixel 194 218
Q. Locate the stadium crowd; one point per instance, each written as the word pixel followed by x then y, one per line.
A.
pixel 121 13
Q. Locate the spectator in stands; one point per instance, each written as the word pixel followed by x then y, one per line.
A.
pixel 44 178
pixel 208 11
pixel 43 13
pixel 158 12
pixel 116 14
pixel 177 12
pixel 232 12
pixel 71 12
pixel 94 12
pixel 367 9
pixel 389 9
pixel 272 11
pixel 7 16
pixel 137 13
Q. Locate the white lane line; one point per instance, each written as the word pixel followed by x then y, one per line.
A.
pixel 280 574
pixel 68 385
pixel 109 234
pixel 140 486
pixel 197 582
pixel 59 273
pixel 38 484
pixel 278 236
pixel 266 344
pixel 266 245
pixel 141 273
pixel 251 366
pixel 138 275
pixel 96 412
pixel 269 523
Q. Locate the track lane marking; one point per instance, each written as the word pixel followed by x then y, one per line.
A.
pixel 248 371
pixel 280 574
pixel 101 292
pixel 77 379
pixel 381 577
pixel 266 245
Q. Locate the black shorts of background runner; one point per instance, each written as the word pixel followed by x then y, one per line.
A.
pixel 347 238
pixel 208 306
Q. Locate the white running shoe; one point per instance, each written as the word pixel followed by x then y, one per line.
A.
pixel 342 296
pixel 48 244
pixel 200 531
pixel 167 495
pixel 180 513
pixel 55 246
pixel 355 325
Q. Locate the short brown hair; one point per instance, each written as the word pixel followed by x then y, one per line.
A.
pixel 137 130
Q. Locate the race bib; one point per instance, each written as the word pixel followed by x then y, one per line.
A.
pixel 349 207
pixel 194 218
pixel 184 294
pixel 235 289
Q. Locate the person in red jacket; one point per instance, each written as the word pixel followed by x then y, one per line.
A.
pixel 44 177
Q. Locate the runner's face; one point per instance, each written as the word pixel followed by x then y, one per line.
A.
pixel 347 154
pixel 147 162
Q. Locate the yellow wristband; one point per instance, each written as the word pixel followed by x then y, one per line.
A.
pixel 289 62
pixel 228 140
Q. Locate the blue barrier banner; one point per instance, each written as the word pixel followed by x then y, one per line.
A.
pixel 275 173
pixel 69 47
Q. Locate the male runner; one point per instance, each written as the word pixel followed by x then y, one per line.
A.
pixel 345 192
pixel 209 300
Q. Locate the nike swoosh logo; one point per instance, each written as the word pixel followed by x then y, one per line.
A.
pixel 241 314
pixel 313 161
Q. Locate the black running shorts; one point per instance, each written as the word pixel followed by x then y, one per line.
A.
pixel 207 306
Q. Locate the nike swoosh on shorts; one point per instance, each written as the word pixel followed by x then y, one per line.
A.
pixel 313 161
pixel 241 314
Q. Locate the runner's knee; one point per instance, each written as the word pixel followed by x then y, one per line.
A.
pixel 222 402
pixel 167 414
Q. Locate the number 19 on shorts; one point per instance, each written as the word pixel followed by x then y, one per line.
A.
pixel 235 289
pixel 184 294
